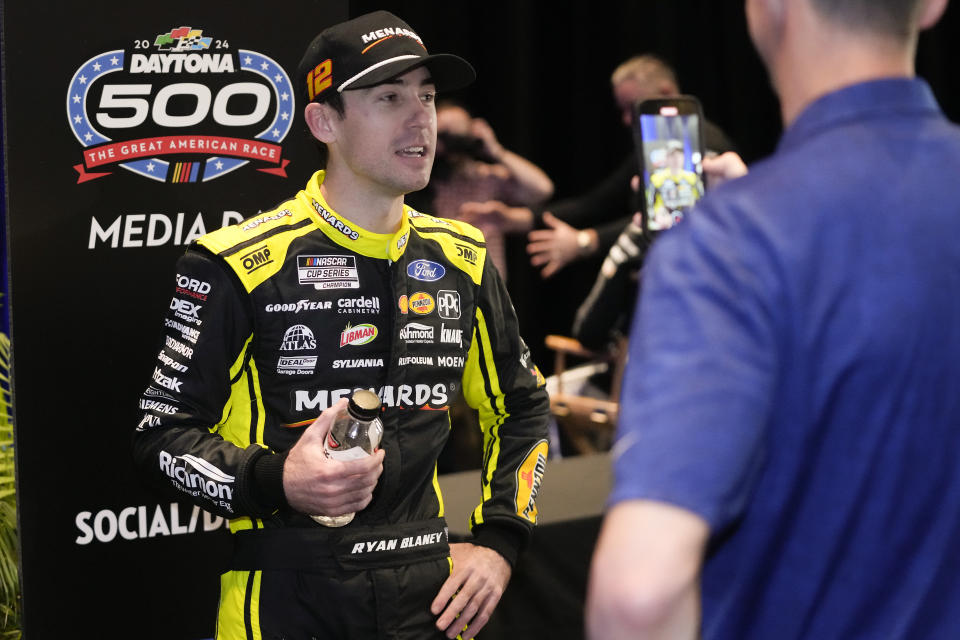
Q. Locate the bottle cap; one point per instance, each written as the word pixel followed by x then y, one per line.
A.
pixel 364 405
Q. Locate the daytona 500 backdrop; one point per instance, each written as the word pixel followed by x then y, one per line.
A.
pixel 131 129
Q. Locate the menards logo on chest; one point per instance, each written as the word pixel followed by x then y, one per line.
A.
pixel 357 335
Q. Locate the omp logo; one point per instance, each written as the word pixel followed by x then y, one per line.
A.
pixel 529 478
pixel 180 107
pixel 259 257
pixel 448 304
pixel 467 253
pixel 198 477
pixel 299 337
pixel 425 270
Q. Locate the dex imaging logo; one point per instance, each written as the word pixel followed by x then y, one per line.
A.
pixel 180 106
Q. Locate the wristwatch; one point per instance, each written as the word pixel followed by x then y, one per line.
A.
pixel 583 241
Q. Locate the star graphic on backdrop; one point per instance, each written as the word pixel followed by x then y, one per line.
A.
pixel 76 99
pixel 96 66
pixel 114 61
pixel 247 60
pixel 150 167
pixel 219 165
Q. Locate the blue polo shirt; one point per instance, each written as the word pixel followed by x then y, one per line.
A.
pixel 794 377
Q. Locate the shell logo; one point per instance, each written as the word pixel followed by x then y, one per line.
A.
pixel 402 303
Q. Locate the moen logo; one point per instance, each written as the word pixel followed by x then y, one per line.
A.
pixel 180 106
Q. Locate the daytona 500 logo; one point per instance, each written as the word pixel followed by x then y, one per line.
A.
pixel 181 107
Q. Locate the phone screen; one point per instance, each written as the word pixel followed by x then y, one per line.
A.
pixel 672 170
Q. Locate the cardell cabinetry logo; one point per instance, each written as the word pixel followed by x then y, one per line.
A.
pixel 180 107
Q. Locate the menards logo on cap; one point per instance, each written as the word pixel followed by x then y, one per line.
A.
pixel 357 335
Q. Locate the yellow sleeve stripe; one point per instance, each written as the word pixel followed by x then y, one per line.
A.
pixel 436 488
pixel 493 411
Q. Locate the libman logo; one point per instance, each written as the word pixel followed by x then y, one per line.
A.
pixel 357 335
pixel 180 105
pixel 529 478
pixel 198 478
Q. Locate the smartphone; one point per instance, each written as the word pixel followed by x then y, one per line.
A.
pixel 668 135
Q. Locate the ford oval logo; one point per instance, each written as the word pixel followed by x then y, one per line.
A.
pixel 425 270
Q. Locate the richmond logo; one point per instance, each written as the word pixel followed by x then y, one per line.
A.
pixel 180 107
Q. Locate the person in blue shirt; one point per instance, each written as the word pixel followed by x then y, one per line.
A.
pixel 787 460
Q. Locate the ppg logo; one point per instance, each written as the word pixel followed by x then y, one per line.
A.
pixel 425 270
pixel 448 304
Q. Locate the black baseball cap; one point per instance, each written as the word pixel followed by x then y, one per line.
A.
pixel 369 50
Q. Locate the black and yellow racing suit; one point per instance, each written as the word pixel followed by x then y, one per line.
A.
pixel 271 321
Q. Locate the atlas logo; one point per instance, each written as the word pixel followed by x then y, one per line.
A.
pixel 299 337
pixel 425 270
pixel 198 477
pixel 179 107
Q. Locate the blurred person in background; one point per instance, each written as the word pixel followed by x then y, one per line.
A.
pixel 786 464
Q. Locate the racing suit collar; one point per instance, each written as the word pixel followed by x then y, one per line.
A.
pixel 347 234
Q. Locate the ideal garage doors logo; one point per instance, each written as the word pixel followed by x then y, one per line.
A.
pixel 180 107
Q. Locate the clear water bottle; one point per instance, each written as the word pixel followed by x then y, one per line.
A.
pixel 355 433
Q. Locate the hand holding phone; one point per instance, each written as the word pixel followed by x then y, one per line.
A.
pixel 669 143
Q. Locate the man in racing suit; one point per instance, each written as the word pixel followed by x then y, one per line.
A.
pixel 280 317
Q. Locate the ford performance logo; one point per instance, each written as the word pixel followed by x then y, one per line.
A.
pixel 425 270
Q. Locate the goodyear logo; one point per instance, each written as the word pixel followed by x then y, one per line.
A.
pixel 529 478
pixel 179 106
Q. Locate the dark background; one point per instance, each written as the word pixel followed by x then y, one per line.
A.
pixel 86 322
pixel 543 82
